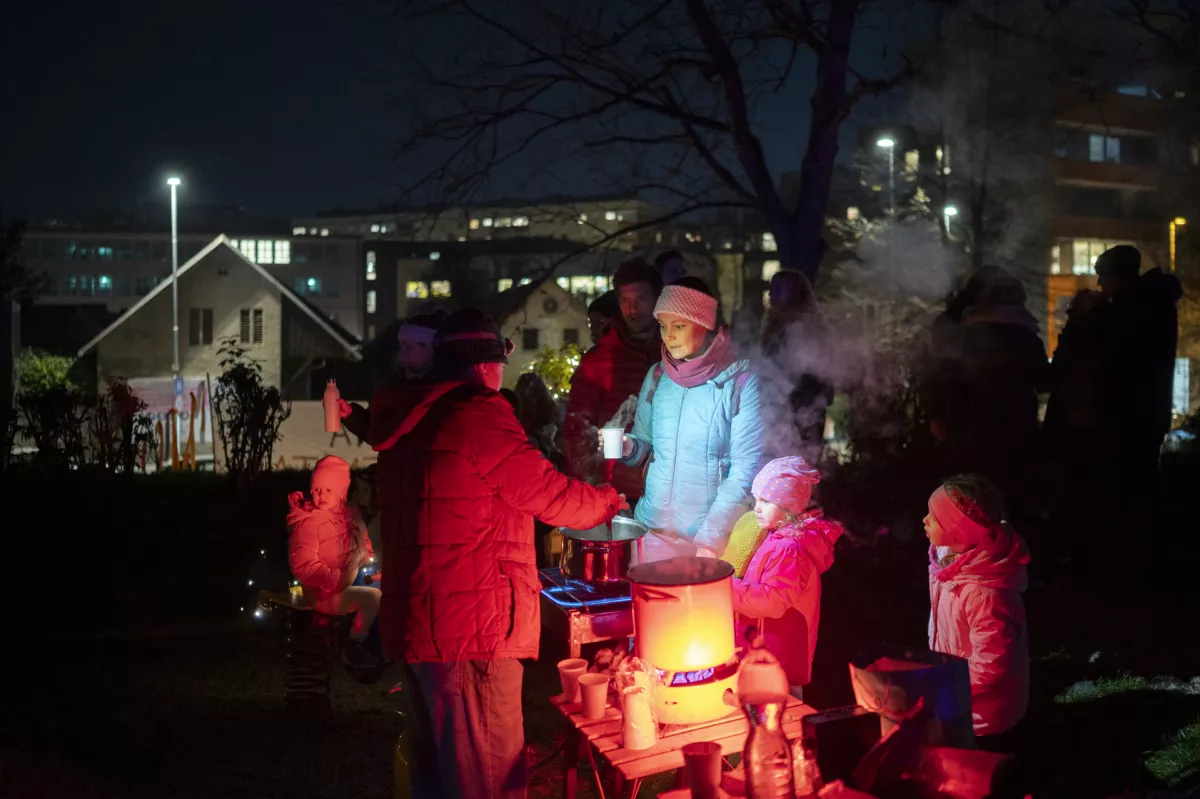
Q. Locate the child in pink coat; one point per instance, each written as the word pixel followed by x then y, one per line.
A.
pixel 780 595
pixel 977 572
pixel 327 546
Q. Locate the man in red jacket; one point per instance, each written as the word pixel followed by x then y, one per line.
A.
pixel 612 371
pixel 460 602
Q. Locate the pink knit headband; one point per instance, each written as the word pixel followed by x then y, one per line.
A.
pixel 952 519
pixel 694 306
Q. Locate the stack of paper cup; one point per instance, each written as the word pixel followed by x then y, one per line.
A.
pixel 593 691
pixel 614 442
pixel 569 672
pixel 638 730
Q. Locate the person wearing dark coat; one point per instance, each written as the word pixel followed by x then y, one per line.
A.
pixel 992 370
pixel 1140 334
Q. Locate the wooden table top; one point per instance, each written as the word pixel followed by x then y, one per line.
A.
pixel 666 754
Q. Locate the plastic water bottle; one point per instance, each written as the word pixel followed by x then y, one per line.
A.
pixel 804 769
pixel 329 402
pixel 763 693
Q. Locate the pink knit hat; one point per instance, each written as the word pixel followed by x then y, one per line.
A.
pixel 787 482
pixel 333 473
pixel 690 304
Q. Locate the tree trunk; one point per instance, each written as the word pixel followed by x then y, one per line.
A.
pixel 802 245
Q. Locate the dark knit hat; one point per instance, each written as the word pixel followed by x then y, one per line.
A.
pixel 470 337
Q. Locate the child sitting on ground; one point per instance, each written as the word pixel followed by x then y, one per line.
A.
pixel 328 544
pixel 977 572
pixel 779 595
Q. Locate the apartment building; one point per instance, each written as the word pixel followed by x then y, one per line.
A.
pixel 118 268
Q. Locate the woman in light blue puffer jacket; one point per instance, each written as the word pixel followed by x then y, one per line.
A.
pixel 699 426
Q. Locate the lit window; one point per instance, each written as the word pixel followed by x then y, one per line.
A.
pixel 610 216
pixel 504 221
pixel 374 228
pixel 770 269
pixel 1084 253
pixel 525 281
pixel 912 161
pixel 582 218
pixel 768 242
pixel 371 265
pixel 283 252
pixel 299 231
pixel 439 288
pixel 564 283
pixel 371 304
pixel 1055 259
pixel 246 248
pixel 1104 149
pixel 324 231
pixel 521 221
pixel 852 213
pixel 504 284
pixel 435 255
pixel 474 224
pixel 104 285
pixel 487 221
pixel 265 254
pixel 416 290
pixel 104 253
pixel 370 332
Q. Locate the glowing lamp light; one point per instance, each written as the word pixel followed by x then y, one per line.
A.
pixel 885 142
pixel 951 211
pixel 1179 220
pixel 174 181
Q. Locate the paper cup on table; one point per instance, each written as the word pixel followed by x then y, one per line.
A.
pixel 569 672
pixel 614 444
pixel 702 765
pixel 638 730
pixel 593 691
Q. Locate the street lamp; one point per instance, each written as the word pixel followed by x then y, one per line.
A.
pixel 174 182
pixel 948 212
pixel 890 146
pixel 1177 222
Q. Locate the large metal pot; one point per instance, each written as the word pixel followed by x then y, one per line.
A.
pixel 601 555
pixel 683 613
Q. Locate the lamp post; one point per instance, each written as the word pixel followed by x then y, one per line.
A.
pixel 890 146
pixel 1177 222
pixel 948 212
pixel 174 184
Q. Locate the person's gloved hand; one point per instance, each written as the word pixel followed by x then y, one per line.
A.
pixel 344 409
pixel 614 500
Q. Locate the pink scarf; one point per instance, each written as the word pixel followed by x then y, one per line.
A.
pixel 701 369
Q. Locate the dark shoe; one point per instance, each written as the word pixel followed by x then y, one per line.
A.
pixel 356 656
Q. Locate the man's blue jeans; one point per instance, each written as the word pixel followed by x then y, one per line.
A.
pixel 468 729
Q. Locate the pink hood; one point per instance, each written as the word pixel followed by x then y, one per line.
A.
pixel 998 563
pixel 816 536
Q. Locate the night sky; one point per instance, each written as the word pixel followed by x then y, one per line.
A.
pixel 280 107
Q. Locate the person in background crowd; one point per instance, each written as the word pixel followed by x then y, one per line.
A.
pixel 538 414
pixel 612 372
pixel 513 400
pixel 992 380
pixel 779 597
pixel 327 545
pixel 977 573
pixel 603 311
pixel 1140 332
pixel 1071 431
pixel 671 266
pixel 699 426
pixel 461 604
pixel 792 329
pixel 413 358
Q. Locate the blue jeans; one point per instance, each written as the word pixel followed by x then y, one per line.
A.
pixel 468 729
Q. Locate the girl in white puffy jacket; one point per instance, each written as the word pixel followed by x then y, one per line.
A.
pixel 977 573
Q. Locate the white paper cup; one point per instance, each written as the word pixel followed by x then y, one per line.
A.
pixel 569 672
pixel 614 444
pixel 593 691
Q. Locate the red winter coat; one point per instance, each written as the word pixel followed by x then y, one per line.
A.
pixel 608 374
pixel 780 596
pixel 977 614
pixel 325 550
pixel 459 574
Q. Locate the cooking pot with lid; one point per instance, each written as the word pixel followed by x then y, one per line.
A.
pixel 602 554
pixel 683 612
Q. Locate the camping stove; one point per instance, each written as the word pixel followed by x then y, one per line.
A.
pixel 683 625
